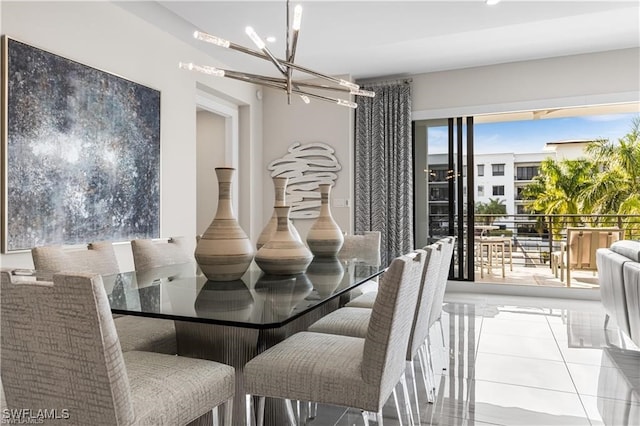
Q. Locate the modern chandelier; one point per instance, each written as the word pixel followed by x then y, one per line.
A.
pixel 286 67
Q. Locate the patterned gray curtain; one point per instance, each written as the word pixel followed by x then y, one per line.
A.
pixel 384 167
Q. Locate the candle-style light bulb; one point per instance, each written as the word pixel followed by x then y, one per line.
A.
pixel 255 38
pixel 297 18
pixel 361 92
pixel 201 68
pixel 344 102
pixel 211 39
pixel 349 84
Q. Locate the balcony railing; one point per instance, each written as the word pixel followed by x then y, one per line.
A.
pixel 534 238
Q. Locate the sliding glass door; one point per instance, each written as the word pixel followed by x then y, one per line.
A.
pixel 443 170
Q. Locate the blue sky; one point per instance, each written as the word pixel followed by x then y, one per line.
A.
pixel 531 135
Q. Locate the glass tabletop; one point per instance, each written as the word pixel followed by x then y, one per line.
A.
pixel 257 300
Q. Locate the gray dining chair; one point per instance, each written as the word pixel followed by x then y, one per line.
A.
pixel 135 333
pixel 354 321
pixel 343 370
pixel 60 351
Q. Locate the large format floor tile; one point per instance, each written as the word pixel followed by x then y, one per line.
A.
pixel 521 361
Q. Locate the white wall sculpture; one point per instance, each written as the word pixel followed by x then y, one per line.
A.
pixel 306 166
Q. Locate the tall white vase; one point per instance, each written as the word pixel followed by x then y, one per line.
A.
pixel 283 254
pixel 325 236
pixel 280 186
pixel 224 252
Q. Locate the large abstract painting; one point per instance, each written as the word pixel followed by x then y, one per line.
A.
pixel 80 152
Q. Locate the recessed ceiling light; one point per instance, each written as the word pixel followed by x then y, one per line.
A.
pixel 271 39
pixel 492 2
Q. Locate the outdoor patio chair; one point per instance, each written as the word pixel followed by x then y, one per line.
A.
pixel 579 252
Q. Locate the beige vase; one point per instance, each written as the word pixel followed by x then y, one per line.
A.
pixel 280 186
pixel 325 237
pixel 224 252
pixel 283 254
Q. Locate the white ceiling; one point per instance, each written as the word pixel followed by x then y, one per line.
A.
pixel 369 39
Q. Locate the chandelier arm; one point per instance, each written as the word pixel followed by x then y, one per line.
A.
pixel 257 80
pixel 256 76
pixel 338 101
pixel 261 55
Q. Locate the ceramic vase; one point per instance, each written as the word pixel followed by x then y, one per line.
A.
pixel 224 252
pixel 325 237
pixel 283 254
pixel 280 186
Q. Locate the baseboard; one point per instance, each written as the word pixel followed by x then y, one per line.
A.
pixel 523 290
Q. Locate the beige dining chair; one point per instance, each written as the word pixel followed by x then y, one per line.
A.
pixel 355 321
pixel 135 333
pixel 61 352
pixel 343 370
pixel 159 252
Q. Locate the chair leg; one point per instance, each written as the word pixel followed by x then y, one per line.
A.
pixel 228 413
pixel 444 343
pixel 365 417
pixel 248 403
pixel 407 401
pixel 290 414
pixel 312 409
pixel 606 320
pixel 260 420
pixel 395 399
pixel 427 371
pixel 415 389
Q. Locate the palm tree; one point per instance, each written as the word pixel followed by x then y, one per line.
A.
pixel 616 189
pixel 557 190
pixel 495 207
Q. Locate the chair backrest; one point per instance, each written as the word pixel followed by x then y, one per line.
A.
pixel 60 349
pixel 98 257
pixel 154 253
pixel 390 324
pixel 582 244
pixel 443 275
pixel 364 247
pixel 426 293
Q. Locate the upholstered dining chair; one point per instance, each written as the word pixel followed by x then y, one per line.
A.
pixel 135 333
pixel 60 351
pixel 354 321
pixel 365 247
pixel 343 370
pixel 159 252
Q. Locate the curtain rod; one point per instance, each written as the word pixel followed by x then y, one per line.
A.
pixel 382 82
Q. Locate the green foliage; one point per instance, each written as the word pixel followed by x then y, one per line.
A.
pixel 495 207
pixel 606 182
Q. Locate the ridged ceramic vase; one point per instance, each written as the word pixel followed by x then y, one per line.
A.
pixel 224 252
pixel 325 237
pixel 283 254
pixel 280 186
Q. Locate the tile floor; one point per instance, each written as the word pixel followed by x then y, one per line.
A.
pixel 522 361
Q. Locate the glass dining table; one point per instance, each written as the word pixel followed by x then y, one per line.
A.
pixel 232 322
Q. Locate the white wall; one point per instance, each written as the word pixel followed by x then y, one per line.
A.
pixel 317 122
pixel 105 36
pixel 210 130
pixel 589 79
